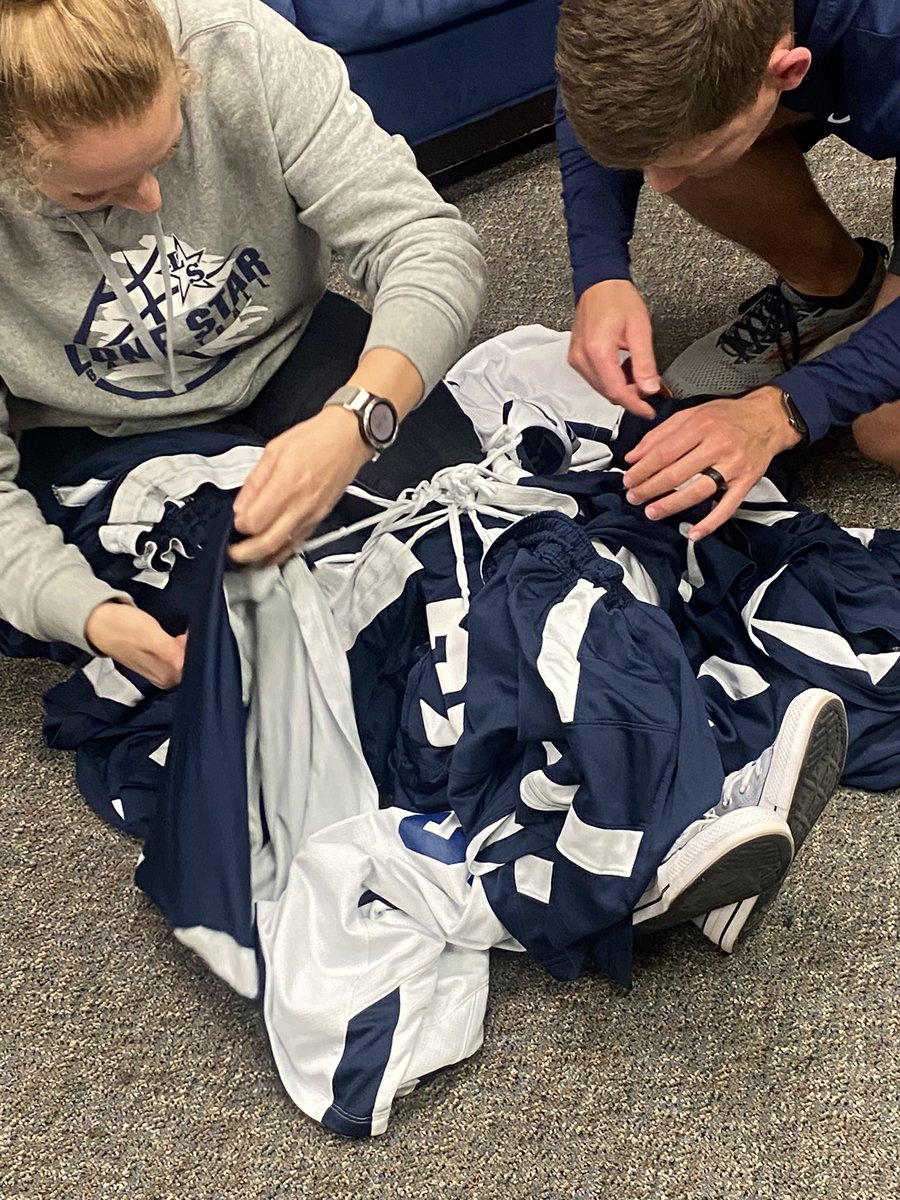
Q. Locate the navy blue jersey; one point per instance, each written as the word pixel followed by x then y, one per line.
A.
pixel 778 600
pixel 502 670
pixel 547 687
pixel 140 509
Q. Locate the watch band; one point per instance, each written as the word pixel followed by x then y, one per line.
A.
pixel 364 405
pixel 344 396
pixel 795 417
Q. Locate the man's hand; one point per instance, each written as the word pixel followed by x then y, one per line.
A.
pixel 301 476
pixel 611 317
pixel 135 639
pixel 739 438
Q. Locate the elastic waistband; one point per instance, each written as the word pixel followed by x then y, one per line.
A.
pixel 555 539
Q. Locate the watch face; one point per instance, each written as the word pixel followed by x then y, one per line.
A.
pixel 382 422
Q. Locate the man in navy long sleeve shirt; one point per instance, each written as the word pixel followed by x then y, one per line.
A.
pixel 715 103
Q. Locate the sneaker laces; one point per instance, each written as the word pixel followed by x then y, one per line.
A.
pixel 741 789
pixel 765 318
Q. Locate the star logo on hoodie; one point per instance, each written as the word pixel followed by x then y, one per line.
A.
pixel 203 305
pixel 187 270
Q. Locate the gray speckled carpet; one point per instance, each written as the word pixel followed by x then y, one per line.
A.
pixel 127 1070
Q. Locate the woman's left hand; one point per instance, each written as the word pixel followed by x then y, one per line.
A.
pixel 301 476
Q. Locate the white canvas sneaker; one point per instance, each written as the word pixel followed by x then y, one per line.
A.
pixel 727 852
pixel 804 766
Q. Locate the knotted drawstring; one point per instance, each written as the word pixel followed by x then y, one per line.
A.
pixel 456 486
pixel 472 489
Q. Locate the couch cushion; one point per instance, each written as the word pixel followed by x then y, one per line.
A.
pixel 371 24
pixel 460 73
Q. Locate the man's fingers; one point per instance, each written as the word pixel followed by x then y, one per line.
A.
pixel 700 488
pixel 603 371
pixel 726 508
pixel 616 384
pixel 643 360
pixel 638 405
pixel 677 459
pixel 683 431
pixel 599 366
pixel 679 475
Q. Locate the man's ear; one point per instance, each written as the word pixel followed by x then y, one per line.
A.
pixel 788 65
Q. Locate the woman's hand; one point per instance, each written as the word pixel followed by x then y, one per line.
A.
pixel 136 640
pixel 301 476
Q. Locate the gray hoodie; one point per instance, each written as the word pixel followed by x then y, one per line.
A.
pixel 123 322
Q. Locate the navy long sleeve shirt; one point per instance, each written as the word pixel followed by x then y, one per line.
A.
pixel 853 89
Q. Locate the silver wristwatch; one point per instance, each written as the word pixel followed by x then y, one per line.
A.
pixel 377 417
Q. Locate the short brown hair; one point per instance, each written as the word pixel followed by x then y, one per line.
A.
pixel 638 77
pixel 65 64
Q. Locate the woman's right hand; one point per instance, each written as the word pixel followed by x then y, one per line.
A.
pixel 611 317
pixel 136 640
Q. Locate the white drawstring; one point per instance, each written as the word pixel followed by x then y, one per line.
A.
pixel 452 486
pixel 175 381
pixel 470 489
pixel 166 362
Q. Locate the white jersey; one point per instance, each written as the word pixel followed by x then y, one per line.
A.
pixel 376 959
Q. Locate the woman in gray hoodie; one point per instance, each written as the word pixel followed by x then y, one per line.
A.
pixel 175 177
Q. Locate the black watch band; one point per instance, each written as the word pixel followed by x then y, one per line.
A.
pixel 795 417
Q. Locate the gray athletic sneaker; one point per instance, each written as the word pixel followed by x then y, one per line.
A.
pixel 801 770
pixel 774 330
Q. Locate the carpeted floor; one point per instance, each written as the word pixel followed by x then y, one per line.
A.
pixel 127 1070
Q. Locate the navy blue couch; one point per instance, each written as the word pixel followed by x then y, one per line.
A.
pixel 456 77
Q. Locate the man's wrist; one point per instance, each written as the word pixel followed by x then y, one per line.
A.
pixel 795 417
pixel 788 429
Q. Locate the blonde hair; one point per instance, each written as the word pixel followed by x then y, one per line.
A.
pixel 66 64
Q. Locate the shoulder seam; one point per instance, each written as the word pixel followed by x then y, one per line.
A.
pixel 216 26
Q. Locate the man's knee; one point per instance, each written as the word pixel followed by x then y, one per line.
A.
pixel 877 434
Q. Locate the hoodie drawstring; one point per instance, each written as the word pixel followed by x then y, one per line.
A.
pixel 166 362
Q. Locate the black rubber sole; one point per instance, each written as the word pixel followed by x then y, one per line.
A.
pixel 745 871
pixel 817 781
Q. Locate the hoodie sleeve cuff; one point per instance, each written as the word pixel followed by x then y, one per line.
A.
pixel 421 331
pixel 65 602
pixel 810 398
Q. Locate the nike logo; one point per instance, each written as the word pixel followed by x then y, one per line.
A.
pixel 805 342
pixel 833 120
